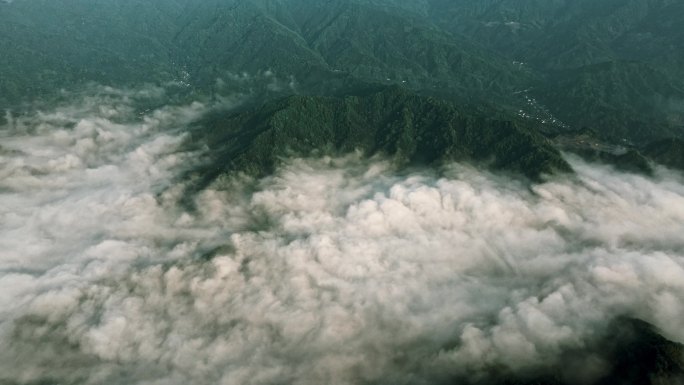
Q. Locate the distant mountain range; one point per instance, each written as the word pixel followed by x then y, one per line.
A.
pixel 616 67
pixel 612 65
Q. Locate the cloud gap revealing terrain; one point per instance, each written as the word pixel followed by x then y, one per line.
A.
pixel 341 192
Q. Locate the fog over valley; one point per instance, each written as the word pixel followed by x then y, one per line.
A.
pixel 332 270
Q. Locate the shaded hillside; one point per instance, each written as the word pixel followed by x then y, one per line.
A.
pixel 235 36
pixel 668 152
pixel 612 65
pixel 48 45
pixel 389 45
pixel 615 65
pixel 565 34
pixel 321 47
pixel 631 350
pixel 619 99
pixel 658 38
pixel 408 128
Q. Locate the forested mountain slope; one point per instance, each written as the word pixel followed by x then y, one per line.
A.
pixel 410 129
pixel 614 66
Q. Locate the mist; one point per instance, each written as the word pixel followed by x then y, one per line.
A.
pixel 332 270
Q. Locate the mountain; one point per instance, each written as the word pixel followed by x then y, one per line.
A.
pixel 658 38
pixel 50 46
pixel 563 34
pixel 404 126
pixel 668 152
pixel 393 46
pixel 196 43
pixel 621 100
pixel 478 51
pixel 614 66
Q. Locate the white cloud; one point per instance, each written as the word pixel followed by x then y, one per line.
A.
pixel 332 271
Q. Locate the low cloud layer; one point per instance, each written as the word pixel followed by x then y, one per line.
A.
pixel 332 271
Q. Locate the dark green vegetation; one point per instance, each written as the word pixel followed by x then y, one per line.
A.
pixel 47 45
pixel 633 351
pixel 621 100
pixel 409 128
pixel 669 152
pixel 554 67
pixel 551 67
pixel 615 66
pixel 338 43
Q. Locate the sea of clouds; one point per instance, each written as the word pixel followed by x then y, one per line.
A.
pixel 331 271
